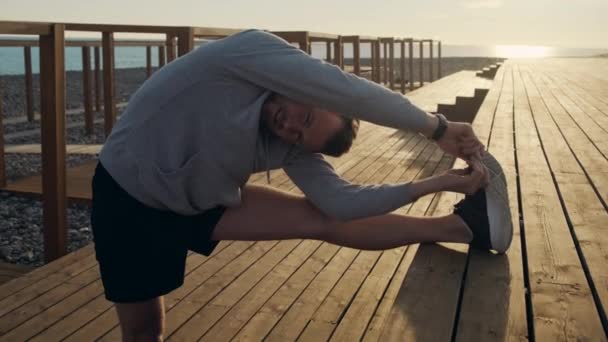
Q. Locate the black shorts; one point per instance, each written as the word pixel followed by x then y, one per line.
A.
pixel 142 251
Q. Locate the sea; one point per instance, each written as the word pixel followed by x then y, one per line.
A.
pixel 11 58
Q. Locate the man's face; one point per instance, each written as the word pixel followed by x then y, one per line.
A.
pixel 300 124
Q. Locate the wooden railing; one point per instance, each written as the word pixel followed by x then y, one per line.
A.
pixel 178 41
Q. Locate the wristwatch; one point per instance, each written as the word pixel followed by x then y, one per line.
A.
pixel 441 127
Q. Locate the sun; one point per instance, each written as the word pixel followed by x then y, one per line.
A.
pixel 522 51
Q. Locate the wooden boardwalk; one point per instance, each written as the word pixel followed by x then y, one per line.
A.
pixel 547 123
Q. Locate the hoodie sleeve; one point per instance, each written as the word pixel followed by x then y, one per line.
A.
pixel 336 197
pixel 268 61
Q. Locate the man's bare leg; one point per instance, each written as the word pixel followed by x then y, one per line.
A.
pixel 143 321
pixel 268 214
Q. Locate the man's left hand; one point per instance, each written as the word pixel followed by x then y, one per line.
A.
pixel 460 140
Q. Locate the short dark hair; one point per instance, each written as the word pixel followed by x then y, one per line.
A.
pixel 342 141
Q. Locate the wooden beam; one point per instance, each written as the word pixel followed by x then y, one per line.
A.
pixel 402 66
pixel 328 52
pixel 120 28
pixel 161 56
pixel 357 56
pixel 213 32
pixel 86 90
pixel 97 80
pixel 185 41
pixel 2 162
pixel 148 61
pixel 411 63
pixel 439 59
pixel 52 125
pixel 14 27
pixel 108 82
pixel 29 91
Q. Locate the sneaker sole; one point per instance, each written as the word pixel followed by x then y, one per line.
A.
pixel 497 202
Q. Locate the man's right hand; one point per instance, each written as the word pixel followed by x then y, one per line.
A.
pixel 466 181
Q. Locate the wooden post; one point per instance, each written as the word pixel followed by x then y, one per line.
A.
pixel 391 65
pixel 402 64
pixel 431 60
pixel 384 62
pixel 148 61
pixel 161 56
pixel 86 90
pixel 357 56
pixel 338 52
pixel 411 63
pixel 170 48
pixel 439 59
pixel 304 44
pixel 421 63
pixel 185 41
pixel 2 163
pixel 378 61
pixel 52 125
pixel 328 52
pixel 97 81
pixel 29 91
pixel 108 82
pixel 373 60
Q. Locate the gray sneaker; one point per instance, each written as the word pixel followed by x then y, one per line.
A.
pixel 487 212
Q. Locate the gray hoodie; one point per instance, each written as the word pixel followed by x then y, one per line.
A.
pixel 190 138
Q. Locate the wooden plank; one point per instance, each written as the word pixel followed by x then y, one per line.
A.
pixel 29 90
pixel 296 318
pixel 328 52
pixel 24 299
pixel 52 125
pixel 384 62
pixel 562 302
pixel 493 302
pixel 213 32
pixel 97 318
pixel 586 149
pixel 109 106
pixel 86 90
pixel 97 80
pixel 36 275
pixel 203 319
pixel 587 215
pixel 351 324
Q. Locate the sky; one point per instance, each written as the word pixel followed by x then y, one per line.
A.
pixel 560 23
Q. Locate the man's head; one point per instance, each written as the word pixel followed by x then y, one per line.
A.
pixel 314 129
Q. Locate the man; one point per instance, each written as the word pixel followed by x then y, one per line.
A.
pixel 173 173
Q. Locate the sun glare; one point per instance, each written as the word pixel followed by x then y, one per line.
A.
pixel 522 51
